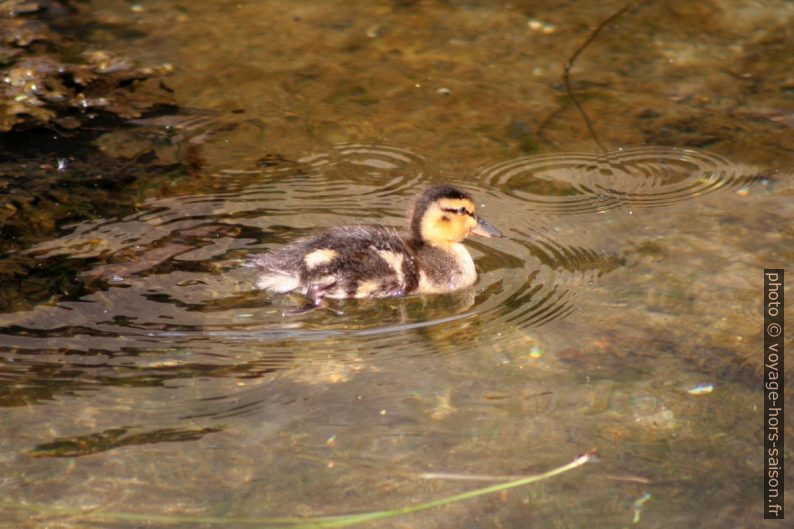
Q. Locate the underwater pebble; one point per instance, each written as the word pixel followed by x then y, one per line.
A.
pixel 701 389
pixel 637 507
pixel 543 27
pixel 664 419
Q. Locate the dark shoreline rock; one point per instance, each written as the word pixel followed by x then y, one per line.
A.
pixel 49 80
pixel 59 101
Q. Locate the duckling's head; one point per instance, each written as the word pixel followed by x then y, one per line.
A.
pixel 444 215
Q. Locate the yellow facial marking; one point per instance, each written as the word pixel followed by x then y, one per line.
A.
pixel 457 203
pixel 448 220
pixel 319 257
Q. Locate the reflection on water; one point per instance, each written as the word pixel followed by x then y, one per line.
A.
pixel 139 365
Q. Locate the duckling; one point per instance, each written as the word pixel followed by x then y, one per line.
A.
pixel 372 261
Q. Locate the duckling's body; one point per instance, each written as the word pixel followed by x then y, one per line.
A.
pixel 364 261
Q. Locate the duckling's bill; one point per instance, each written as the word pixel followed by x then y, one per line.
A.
pixel 483 228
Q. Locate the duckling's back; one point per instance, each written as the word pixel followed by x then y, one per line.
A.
pixel 342 262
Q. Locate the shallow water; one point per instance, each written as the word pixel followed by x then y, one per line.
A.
pixel 622 310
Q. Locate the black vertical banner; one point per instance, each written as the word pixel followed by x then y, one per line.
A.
pixel 773 394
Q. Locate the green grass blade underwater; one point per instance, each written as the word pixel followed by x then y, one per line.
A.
pixel 320 522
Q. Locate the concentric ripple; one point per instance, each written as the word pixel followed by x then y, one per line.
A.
pixel 396 169
pixel 575 183
pixel 347 182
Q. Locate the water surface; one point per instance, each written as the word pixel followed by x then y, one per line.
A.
pixel 620 312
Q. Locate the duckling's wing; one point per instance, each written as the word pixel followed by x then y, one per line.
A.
pixel 342 262
pixel 279 269
pixel 357 261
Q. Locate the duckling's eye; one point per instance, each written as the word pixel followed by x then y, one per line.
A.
pixel 460 211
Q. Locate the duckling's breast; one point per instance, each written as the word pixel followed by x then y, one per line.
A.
pixel 444 269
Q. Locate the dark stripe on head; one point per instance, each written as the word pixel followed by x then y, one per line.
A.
pixel 427 197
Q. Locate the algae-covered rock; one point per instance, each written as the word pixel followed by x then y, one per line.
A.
pixel 45 76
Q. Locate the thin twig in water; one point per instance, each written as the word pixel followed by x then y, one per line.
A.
pixel 566 75
pixel 466 477
pixel 632 479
